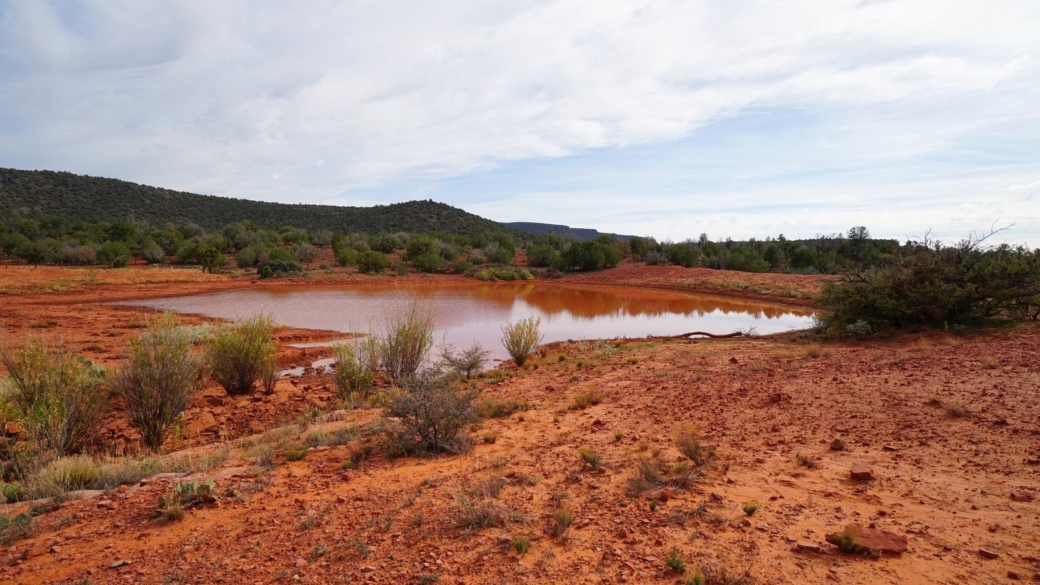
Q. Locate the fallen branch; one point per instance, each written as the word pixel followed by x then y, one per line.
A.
pixel 706 334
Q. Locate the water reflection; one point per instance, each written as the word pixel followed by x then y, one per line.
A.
pixel 475 312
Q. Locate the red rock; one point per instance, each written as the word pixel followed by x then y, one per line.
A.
pixel 988 554
pixel 12 428
pixel 1014 576
pixel 205 422
pixel 107 504
pixel 809 547
pixel 1021 497
pixel 873 540
pixel 861 472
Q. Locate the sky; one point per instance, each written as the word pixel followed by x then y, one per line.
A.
pixel 665 118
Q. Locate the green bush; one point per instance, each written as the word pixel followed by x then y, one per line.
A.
pixel 346 256
pixel 432 414
pixel 115 254
pixel 153 253
pixel 278 267
pixel 543 256
pixel 428 262
pixel 929 285
pixel 159 380
pixel 372 262
pixel 210 258
pixel 356 363
pixel 520 338
pixel 461 266
pixel 406 342
pixel 304 253
pixel 246 257
pixel 238 353
pixel 683 254
pixel 58 398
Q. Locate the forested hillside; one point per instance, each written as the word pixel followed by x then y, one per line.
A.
pixel 42 194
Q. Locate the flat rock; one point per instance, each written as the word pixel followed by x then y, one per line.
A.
pixel 861 472
pixel 1021 497
pixel 204 423
pixel 873 540
pixel 809 547
pixel 84 494
pixel 988 554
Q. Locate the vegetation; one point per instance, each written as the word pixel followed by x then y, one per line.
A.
pixel 433 413
pixel 40 194
pixel 465 363
pixel 58 398
pixel 239 352
pixel 520 338
pixel 406 342
pixel 933 286
pixel 159 380
pixel 356 365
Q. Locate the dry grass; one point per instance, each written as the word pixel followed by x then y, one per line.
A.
pixel 585 399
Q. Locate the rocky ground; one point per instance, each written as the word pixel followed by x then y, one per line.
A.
pixel 941 430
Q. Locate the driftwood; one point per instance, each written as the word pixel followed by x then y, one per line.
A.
pixel 706 334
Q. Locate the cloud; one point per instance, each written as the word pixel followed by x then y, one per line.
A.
pixel 346 102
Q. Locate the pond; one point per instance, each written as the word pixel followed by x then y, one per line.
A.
pixel 468 313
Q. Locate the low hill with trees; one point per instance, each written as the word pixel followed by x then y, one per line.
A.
pixel 36 195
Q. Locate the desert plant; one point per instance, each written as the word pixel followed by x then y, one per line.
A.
pixel 646 476
pixel 809 462
pixel 687 440
pixel 521 337
pixel 590 457
pixel 675 561
pixel 465 363
pixel 57 397
pixel 586 398
pixel 76 472
pixel 238 353
pixel 749 508
pixel 561 521
pixel 356 362
pixel 159 380
pixel 406 342
pixel 496 408
pixel 433 413
pixel 520 544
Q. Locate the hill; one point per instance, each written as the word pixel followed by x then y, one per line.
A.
pixel 39 194
pixel 580 234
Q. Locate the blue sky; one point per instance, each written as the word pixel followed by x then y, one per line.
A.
pixel 663 118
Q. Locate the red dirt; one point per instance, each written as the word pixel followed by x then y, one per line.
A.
pixel 949 426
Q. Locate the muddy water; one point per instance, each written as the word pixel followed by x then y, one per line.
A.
pixel 467 313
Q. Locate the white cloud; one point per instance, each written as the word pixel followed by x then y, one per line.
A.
pixel 338 98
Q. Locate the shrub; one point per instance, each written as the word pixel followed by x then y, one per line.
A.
pixel 246 257
pixel 82 255
pixel 495 408
pixel 687 440
pixel 461 266
pixel 646 476
pixel 930 285
pixel 521 338
pixel 586 398
pixel 66 474
pixel 654 258
pixel 372 262
pixel 115 254
pixel 356 363
pixel 160 379
pixel 675 561
pixel 210 258
pixel 238 352
pixel 433 413
pixel 57 398
pixel 346 256
pixel 590 458
pixel 520 544
pixel 562 520
pixel 749 508
pixel 465 363
pixel 304 253
pixel 501 255
pixel 277 267
pixel 429 262
pixel 153 253
pixel 543 255
pixel 406 342
pixel 683 255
